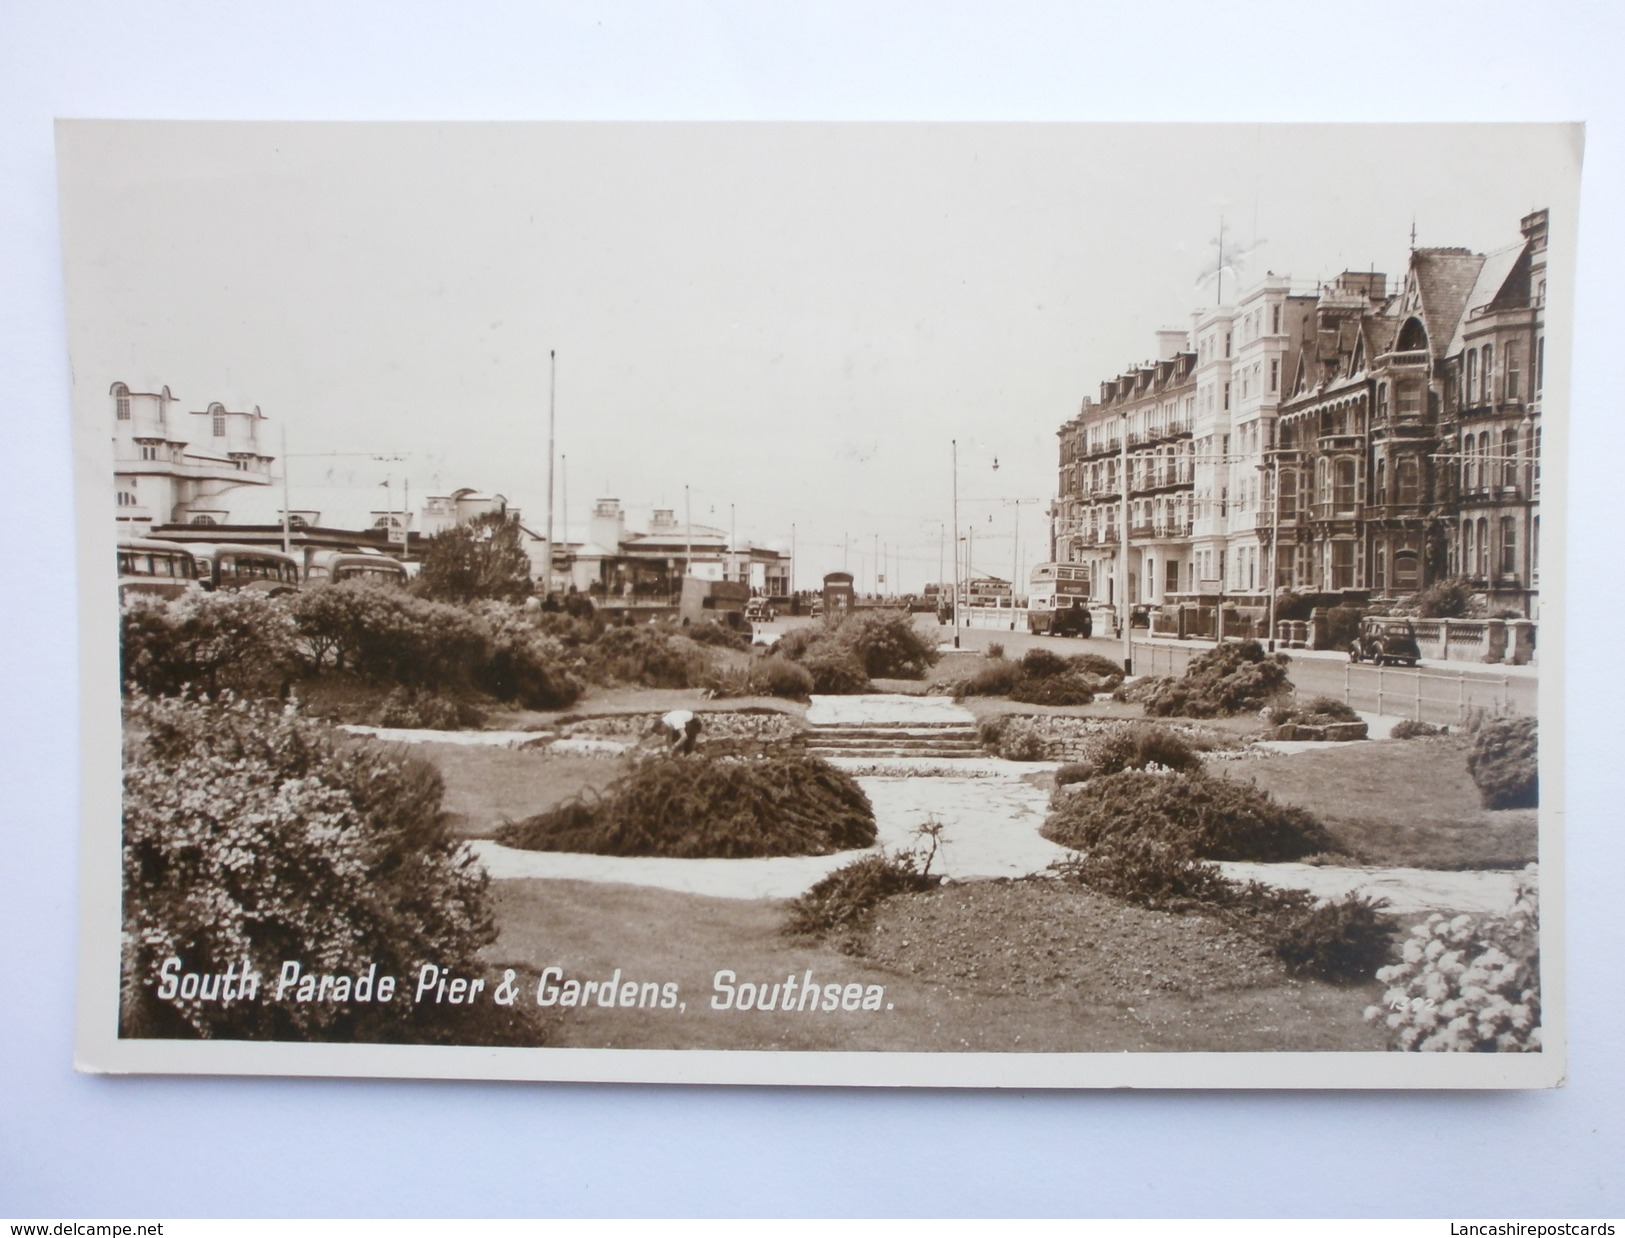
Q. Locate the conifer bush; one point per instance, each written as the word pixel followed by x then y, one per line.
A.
pixel 697 806
pixel 1504 760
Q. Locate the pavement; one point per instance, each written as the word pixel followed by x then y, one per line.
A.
pixel 989 812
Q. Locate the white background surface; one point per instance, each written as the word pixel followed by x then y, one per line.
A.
pixel 85 1146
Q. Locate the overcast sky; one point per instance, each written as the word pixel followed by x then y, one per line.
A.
pixel 792 320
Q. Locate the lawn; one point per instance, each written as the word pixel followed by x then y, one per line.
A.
pixel 487 786
pixel 1398 803
pixel 1060 970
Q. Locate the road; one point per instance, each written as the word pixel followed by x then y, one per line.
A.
pixel 1438 692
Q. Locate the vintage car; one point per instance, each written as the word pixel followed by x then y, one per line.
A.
pixel 757 610
pixel 1383 640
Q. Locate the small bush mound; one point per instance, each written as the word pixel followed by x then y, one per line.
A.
pixel 1409 729
pixel 1069 688
pixel 654 656
pixel 995 649
pixel 1317 711
pixel 1074 772
pixel 835 672
pixel 1094 664
pixel 1136 747
pixel 1504 762
pixel 998 677
pixel 845 901
pixel 1468 986
pixel 1039 663
pixel 697 807
pixel 776 676
pixel 1340 940
pixel 1012 738
pixel 1233 678
pixel 1148 872
pixel 1207 818
pixel 720 635
pixel 526 666
pixel 421 709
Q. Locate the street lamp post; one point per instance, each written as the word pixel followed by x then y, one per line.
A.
pixel 1273 471
pixel 955 443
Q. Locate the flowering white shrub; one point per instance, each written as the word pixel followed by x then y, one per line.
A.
pixel 252 838
pixel 1466 985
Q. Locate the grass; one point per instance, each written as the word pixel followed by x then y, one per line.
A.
pixel 1401 803
pixel 590 930
pixel 486 786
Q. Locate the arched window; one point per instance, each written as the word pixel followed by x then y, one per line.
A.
pixel 1509 546
pixel 121 401
pixel 202 519
pixel 127 499
pixel 1483 532
pixel 217 420
pixel 1343 496
pixel 1509 457
pixel 1469 554
pixel 1413 336
pixel 1472 378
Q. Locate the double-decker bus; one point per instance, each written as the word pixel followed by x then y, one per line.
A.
pixel 149 565
pixel 337 565
pixel 257 568
pixel 1058 600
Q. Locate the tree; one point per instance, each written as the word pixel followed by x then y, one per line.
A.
pixel 484 558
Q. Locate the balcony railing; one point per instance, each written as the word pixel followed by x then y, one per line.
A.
pixel 1338 511
pixel 1394 360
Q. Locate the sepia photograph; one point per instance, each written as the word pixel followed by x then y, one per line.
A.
pixel 999 605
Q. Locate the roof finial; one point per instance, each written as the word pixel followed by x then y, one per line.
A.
pixel 1413 232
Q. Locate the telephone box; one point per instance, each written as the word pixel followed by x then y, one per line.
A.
pixel 838 597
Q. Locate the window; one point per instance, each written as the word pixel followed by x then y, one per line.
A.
pixel 1540 364
pixel 1468 554
pixel 1409 400
pixel 1489 373
pixel 218 421
pixel 1472 378
pixel 1227 343
pixel 1343 485
pixel 1382 400
pixel 1509 546
pixel 1275 320
pixel 1509 458
pixel 121 402
pixel 127 499
pixel 1514 372
pixel 149 451
pixel 1275 363
pixel 1406 483
pixel 1379 569
pixel 1342 565
pixel 1227 396
pixel 1483 568
pixel 202 519
pixel 1405 571
pixel 1382 480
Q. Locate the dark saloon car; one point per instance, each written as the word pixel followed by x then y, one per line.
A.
pixel 1384 641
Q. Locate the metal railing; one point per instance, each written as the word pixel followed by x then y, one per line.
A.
pixel 1425 695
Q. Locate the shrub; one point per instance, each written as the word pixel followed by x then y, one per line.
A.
pixel 1074 772
pixel 798 642
pixel 1409 729
pixel 887 645
pixel 698 807
pixel 1504 762
pixel 653 656
pixel 1041 663
pixel 1071 688
pixel 710 632
pixel 1340 625
pixel 776 676
pixel 526 667
pixel 1451 598
pixel 997 677
pixel 482 558
pixel 1343 940
pixel 1464 985
pixel 1233 678
pixel 846 900
pixel 253 836
pixel 835 672
pixel 995 649
pixel 1135 747
pixel 1094 664
pixel 1013 738
pixel 1147 872
pixel 420 709
pixel 387 635
pixel 1207 818
pixel 1317 711
pixel 243 642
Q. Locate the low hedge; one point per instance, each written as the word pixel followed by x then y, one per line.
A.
pixel 1201 817
pixel 697 807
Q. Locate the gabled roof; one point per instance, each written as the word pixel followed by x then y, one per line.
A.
pixel 1443 279
pixel 1498 279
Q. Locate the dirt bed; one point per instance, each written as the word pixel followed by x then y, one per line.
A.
pixel 1045 938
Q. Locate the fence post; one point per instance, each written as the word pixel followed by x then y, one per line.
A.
pixel 1379 687
pixel 1461 698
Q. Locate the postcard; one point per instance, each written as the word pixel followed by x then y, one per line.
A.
pixel 845 604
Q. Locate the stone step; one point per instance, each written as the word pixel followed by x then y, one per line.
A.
pixel 868 733
pixel 935 745
pixel 891 754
